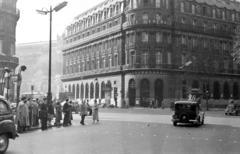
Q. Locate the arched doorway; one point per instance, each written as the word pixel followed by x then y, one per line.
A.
pixel 195 84
pixel 82 91
pixel 226 92
pixel 132 92
pixel 158 92
pixel 86 91
pixel 145 92
pixel 73 91
pixel 108 92
pixel 91 90
pixel 102 90
pixel 216 90
pixel 78 91
pixel 235 91
pixel 97 90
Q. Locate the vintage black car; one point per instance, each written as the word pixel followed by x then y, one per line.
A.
pixel 187 112
pixel 7 126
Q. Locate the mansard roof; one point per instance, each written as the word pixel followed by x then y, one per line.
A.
pixel 97 8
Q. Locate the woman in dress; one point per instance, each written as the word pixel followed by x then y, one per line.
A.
pixel 95 112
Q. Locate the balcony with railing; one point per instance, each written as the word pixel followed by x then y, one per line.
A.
pixel 204 30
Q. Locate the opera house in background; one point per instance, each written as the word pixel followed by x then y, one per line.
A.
pixel 136 51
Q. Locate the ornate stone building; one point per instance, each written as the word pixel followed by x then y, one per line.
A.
pixel 137 50
pixel 9 16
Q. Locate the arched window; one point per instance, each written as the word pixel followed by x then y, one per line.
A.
pixel 73 91
pixel 226 92
pixel 109 88
pixel 82 91
pixel 96 90
pixel 91 90
pixel 235 90
pixel 86 91
pixel 158 91
pixel 145 92
pixel 132 92
pixel 216 90
pixel 78 91
pixel 69 88
pixel 102 90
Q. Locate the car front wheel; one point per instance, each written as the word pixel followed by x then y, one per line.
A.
pixel 3 143
pixel 174 123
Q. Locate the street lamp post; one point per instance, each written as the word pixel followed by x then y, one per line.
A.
pixel 45 12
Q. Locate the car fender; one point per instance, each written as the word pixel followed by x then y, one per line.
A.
pixel 8 126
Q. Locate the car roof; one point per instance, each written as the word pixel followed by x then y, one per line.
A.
pixel 185 102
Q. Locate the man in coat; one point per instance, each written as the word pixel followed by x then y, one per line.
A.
pixel 44 114
pixel 83 112
pixel 66 111
pixel 22 116
pixel 58 119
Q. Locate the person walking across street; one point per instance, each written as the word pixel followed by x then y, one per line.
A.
pixel 44 114
pixel 83 112
pixel 95 112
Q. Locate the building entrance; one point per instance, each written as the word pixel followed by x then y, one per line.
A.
pixel 158 92
pixel 132 92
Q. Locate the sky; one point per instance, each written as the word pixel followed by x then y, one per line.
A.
pixel 34 27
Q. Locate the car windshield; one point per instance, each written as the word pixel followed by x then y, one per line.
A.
pixel 191 107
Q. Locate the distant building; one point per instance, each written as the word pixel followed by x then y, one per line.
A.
pixel 35 56
pixel 9 16
pixel 137 51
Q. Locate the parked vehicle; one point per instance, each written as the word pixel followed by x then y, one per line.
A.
pixel 188 112
pixel 7 126
pixel 232 109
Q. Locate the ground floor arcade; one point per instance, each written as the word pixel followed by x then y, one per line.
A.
pixel 141 88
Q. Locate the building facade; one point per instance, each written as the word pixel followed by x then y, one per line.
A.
pixel 9 16
pixel 136 51
pixel 35 56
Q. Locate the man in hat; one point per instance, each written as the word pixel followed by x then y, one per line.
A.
pixel 44 114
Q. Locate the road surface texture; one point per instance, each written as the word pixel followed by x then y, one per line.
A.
pixel 133 133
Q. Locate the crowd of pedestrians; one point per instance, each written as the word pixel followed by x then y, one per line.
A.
pixel 35 113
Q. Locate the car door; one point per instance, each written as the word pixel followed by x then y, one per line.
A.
pixel 5 111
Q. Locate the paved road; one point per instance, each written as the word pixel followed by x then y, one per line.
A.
pixel 127 133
